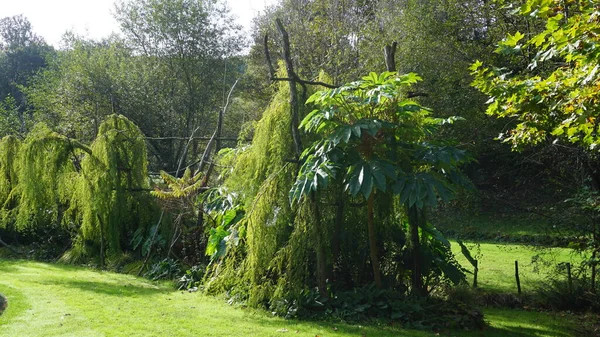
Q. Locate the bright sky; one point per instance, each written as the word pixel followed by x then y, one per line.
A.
pixel 92 18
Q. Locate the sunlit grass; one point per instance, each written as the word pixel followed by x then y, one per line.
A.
pixel 497 265
pixel 56 300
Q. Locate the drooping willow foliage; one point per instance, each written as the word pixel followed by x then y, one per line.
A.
pixel 99 193
pixel 9 178
pixel 110 198
pixel 285 249
pixel 263 175
pixel 45 173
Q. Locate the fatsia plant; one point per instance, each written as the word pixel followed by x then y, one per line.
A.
pixel 376 139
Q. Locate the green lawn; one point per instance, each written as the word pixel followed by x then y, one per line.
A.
pixel 57 300
pixel 497 265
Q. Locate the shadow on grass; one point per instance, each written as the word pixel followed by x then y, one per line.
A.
pixel 10 266
pixel 3 304
pixel 503 323
pixel 111 289
pixel 18 304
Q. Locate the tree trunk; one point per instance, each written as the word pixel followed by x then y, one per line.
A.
pixel 389 53
pixel 4 244
pixel 322 274
pixel 293 91
pixel 373 252
pixel 102 249
pixel 337 227
pixel 416 217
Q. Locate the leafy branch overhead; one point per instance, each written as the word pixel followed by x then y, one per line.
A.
pixel 557 95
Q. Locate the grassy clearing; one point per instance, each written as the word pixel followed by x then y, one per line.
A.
pixel 497 265
pixel 57 300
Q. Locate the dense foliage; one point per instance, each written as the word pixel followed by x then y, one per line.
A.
pixel 98 193
pixel 110 155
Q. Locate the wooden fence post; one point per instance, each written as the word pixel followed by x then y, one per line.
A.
pixel 517 277
pixel 569 278
pixel 475 273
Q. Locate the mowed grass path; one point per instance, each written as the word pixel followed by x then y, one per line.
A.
pixel 57 300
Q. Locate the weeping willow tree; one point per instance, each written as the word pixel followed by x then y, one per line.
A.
pixel 46 168
pixel 99 193
pixel 9 178
pixel 35 182
pixel 263 175
pixel 111 197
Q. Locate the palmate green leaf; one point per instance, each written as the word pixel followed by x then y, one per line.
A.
pixel 366 177
pixel 407 189
pixel 431 195
pixel 409 79
pixel 315 173
pixel 342 134
pixel 372 78
pixel 398 186
pixel 315 97
pixel 442 190
pixel 352 180
pixel 215 247
pixel 309 119
pixel 379 176
pixel 435 234
pixel 228 217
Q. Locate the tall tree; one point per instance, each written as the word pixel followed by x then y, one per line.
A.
pixel 22 54
pixel 191 41
pixel 555 99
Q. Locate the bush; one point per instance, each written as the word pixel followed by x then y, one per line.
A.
pixel 558 295
pixel 369 302
pixel 167 269
pixel 192 278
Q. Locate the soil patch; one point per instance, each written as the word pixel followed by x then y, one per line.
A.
pixel 3 304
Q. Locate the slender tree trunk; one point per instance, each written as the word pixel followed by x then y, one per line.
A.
pixel 337 229
pixel 389 53
pixel 102 248
pixel 320 249
pixel 594 254
pixel 373 252
pixel 293 88
pixel 415 218
pixel 154 234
